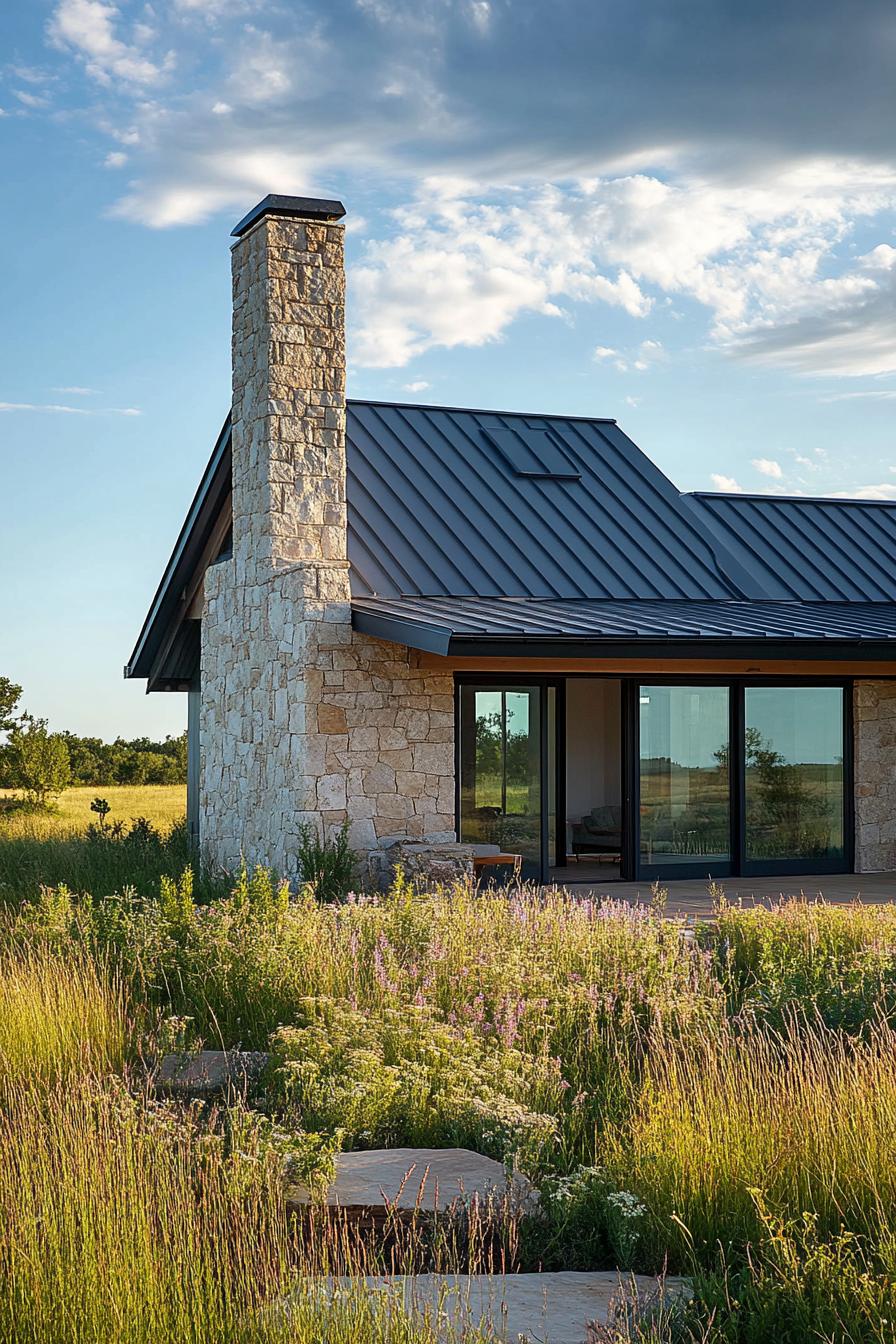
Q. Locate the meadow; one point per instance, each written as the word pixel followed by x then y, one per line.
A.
pixel 717 1101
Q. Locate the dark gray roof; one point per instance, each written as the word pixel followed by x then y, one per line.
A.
pixel 817 550
pixel 433 508
pixel 447 624
pixel 450 547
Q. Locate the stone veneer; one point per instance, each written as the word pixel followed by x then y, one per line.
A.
pixel 303 719
pixel 874 718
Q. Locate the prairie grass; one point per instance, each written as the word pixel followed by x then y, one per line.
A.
pixel 60 1016
pixel 55 847
pixel 162 805
pixel 718 1102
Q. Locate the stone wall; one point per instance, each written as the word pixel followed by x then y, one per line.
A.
pixel 874 716
pixel 302 719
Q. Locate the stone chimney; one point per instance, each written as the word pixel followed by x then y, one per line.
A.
pixel 289 386
pixel 260 748
pixel 303 720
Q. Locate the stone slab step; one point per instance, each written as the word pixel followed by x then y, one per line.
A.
pixel 208 1073
pixel 565 1307
pixel 429 1179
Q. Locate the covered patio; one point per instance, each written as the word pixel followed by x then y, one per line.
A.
pixel 694 897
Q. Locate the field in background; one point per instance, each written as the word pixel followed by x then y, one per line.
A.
pixel 39 849
pixel 161 804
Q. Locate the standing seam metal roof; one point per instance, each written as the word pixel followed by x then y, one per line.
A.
pixel 736 619
pixel 813 550
pixel 434 509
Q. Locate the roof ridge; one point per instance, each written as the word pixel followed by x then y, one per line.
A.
pixel 765 497
pixel 477 410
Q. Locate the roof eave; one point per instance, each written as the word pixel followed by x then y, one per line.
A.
pixel 192 537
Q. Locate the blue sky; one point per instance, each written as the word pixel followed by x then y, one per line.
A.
pixel 679 214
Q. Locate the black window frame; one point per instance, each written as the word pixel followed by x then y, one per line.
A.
pixel 632 868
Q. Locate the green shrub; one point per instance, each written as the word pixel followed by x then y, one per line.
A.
pixel 326 865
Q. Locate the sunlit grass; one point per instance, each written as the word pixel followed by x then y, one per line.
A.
pixel 721 1105
pixel 161 804
pixel 61 1016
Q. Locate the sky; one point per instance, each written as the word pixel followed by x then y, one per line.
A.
pixel 681 213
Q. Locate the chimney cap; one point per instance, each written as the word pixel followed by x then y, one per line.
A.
pixel 297 207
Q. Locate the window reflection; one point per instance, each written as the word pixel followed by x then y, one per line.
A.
pixel 793 748
pixel 500 786
pixel 685 810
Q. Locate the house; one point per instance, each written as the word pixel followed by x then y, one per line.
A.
pixel 454 626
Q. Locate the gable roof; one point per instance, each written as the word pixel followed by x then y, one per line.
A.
pixel 815 550
pixel 456 536
pixel 435 509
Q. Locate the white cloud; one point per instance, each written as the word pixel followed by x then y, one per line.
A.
pixel 726 483
pixel 867 394
pixel 419 386
pixel 88 28
pixel 460 271
pixel 75 391
pixel 51 409
pixel 116 158
pixel 604 352
pixel 480 12
pixel 33 101
pixel 741 206
pixel 882 491
pixel 766 466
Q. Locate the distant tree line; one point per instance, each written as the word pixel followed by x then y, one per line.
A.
pixel 139 761
pixel 41 763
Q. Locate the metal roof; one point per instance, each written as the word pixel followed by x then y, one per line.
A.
pixel 817 550
pixel 434 508
pixel 449 546
pixel 513 626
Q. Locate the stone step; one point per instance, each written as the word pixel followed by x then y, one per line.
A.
pixel 204 1074
pixel 565 1307
pixel 369 1185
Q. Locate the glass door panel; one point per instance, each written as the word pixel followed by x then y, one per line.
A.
pixel 684 777
pixel 501 771
pixel 793 789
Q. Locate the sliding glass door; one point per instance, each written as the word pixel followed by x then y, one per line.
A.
pixel 794 810
pixel 684 780
pixel 504 793
pixel 741 778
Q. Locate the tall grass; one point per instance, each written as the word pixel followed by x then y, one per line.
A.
pixel 60 1015
pixel 720 1104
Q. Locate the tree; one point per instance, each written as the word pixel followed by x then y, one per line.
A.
pixel 39 761
pixel 10 694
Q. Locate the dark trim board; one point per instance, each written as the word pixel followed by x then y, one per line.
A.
pixel 785 650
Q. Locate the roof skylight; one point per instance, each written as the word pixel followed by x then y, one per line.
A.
pixel 532 452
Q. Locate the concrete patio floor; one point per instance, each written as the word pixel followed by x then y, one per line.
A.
pixel 692 896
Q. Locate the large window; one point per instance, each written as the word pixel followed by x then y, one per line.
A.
pixel 793 780
pixel 685 809
pixel 501 770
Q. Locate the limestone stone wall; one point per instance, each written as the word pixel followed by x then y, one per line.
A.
pixel 302 719
pixel 874 716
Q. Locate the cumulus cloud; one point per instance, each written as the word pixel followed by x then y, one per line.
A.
pixel 727 484
pixel 882 491
pixel 89 28
pixel 459 272
pixel 419 386
pixel 766 466
pixel 669 177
